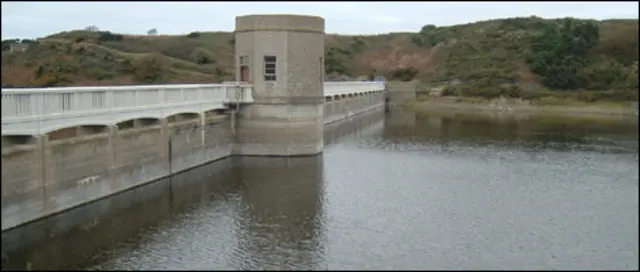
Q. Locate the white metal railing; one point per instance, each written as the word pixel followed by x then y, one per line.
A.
pixel 39 110
pixel 351 87
pixel 68 100
pixel 48 101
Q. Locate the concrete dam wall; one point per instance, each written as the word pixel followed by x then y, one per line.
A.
pixel 54 173
pixel 340 109
pixel 154 202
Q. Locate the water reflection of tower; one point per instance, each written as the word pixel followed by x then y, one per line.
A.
pixel 280 225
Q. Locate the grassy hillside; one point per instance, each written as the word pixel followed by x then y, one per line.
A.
pixel 527 57
pixel 518 57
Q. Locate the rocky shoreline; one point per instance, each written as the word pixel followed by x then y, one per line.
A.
pixel 523 106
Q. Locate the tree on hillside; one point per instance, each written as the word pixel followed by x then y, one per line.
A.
pixel 558 55
pixel 152 31
pixel 334 61
pixel 6 44
pixel 106 36
pixel 431 35
pixel 202 56
pixel 92 28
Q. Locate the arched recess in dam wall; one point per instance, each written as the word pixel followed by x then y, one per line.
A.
pixel 45 174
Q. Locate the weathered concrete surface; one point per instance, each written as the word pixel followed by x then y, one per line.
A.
pixel 46 176
pixel 283 130
pixel 145 206
pixel 51 176
pixel 286 116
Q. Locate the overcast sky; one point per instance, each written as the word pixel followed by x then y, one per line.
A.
pixel 37 19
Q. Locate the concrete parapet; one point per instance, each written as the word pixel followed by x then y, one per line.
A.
pixel 280 22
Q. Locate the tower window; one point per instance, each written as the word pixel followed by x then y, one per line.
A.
pixel 244 60
pixel 269 68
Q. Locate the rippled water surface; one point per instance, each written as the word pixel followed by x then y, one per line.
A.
pixel 401 191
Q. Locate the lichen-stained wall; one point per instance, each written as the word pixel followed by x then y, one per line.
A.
pixel 46 177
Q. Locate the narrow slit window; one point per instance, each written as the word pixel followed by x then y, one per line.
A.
pixel 244 69
pixel 269 68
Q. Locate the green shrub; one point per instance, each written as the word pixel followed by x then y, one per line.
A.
pixel 106 36
pixel 403 74
pixel 193 35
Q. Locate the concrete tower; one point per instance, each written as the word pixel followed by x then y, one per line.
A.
pixel 282 56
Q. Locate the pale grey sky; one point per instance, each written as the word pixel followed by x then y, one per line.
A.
pixel 37 19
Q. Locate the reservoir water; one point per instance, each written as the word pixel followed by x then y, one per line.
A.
pixel 400 190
